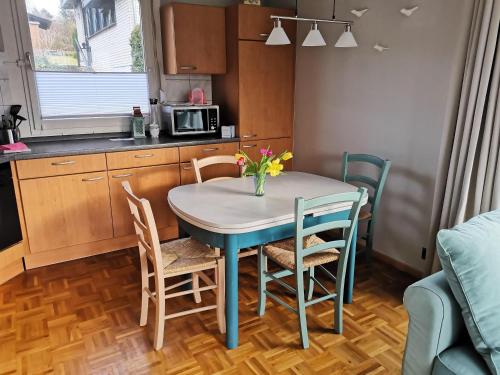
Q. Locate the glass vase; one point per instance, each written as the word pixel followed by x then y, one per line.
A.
pixel 259 181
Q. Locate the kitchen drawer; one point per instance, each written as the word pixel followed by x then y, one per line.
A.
pixel 202 151
pixel 142 158
pixel 59 166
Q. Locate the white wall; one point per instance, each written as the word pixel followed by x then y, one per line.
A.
pixel 392 104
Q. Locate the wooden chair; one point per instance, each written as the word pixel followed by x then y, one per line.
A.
pixel 376 185
pixel 306 251
pixel 175 258
pixel 198 164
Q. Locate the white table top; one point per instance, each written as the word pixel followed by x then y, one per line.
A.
pixel 230 206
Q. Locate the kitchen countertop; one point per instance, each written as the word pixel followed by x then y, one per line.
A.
pixel 67 146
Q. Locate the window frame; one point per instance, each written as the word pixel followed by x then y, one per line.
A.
pixel 91 124
pixel 87 24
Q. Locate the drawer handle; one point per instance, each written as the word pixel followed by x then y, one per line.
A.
pixel 144 156
pixel 187 168
pixel 210 149
pixel 187 67
pixel 249 146
pixel 67 162
pixel 92 179
pixel 122 175
pixel 250 136
pixel 264 35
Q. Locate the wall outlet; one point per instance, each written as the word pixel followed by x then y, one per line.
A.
pixel 424 252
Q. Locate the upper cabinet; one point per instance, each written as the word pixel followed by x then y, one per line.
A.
pixel 193 38
pixel 255 23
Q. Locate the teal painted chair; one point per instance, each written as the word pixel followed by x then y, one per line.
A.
pixel 300 255
pixel 376 187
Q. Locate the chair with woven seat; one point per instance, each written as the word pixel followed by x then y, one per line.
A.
pixel 376 186
pixel 301 254
pixel 174 258
pixel 198 164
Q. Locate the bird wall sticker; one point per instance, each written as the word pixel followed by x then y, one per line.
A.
pixel 359 12
pixel 380 48
pixel 408 11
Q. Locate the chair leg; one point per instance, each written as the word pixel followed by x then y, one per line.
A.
pixel 221 301
pixel 310 283
pixel 301 307
pixel 369 242
pixel 262 268
pixel 145 285
pixel 196 285
pixel 160 314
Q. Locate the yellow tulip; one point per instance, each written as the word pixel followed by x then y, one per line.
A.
pixel 287 156
pixel 239 156
pixel 275 168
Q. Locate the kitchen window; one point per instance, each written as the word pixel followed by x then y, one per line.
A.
pixel 99 15
pixel 87 63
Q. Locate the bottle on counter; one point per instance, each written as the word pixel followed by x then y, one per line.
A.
pixel 154 120
pixel 138 127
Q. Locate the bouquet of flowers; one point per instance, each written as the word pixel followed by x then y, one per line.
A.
pixel 269 163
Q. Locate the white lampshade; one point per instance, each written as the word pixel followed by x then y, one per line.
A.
pixel 314 38
pixel 346 40
pixel 278 36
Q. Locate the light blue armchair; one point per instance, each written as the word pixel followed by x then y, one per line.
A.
pixel 437 341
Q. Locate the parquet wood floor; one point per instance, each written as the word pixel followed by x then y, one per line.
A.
pixel 81 317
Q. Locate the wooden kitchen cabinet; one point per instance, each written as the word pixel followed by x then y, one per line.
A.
pixel 255 23
pixel 252 148
pixel 257 93
pixel 152 183
pixel 266 91
pixel 66 210
pixel 193 38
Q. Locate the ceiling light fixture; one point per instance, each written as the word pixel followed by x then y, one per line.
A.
pixel 278 36
pixel 314 38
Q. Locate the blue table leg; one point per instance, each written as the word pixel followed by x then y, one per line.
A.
pixel 231 252
pixel 349 277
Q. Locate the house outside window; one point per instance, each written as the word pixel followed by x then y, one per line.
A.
pixel 99 15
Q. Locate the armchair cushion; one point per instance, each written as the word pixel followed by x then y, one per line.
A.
pixel 460 360
pixel 470 256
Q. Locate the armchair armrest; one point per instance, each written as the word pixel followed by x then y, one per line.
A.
pixel 436 323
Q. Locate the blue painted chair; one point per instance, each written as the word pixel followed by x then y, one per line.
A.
pixel 301 254
pixel 376 187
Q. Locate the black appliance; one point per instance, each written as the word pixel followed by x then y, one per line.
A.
pixel 10 229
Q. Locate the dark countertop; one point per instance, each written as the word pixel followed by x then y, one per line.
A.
pixel 67 146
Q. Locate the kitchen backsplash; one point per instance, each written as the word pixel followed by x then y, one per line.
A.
pixel 177 87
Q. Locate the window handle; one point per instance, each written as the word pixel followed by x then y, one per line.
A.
pixel 144 156
pixel 29 60
pixel 92 179
pixel 122 175
pixel 67 162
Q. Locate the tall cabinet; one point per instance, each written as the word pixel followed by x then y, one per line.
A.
pixel 257 93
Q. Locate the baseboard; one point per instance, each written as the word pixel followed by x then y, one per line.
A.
pixel 403 267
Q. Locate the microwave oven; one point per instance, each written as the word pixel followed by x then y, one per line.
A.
pixel 190 119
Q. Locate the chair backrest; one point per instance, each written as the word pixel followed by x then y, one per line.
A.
pixel 198 164
pixel 302 207
pixel 145 227
pixel 383 166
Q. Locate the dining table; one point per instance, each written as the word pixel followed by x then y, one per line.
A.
pixel 226 214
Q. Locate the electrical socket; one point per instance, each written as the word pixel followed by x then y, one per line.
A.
pixel 424 252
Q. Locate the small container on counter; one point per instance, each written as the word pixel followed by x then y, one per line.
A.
pixel 138 126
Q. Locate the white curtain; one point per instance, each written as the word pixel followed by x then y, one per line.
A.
pixel 469 177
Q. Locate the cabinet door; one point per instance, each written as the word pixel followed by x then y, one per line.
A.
pixel 194 39
pixel 266 90
pixel 255 23
pixel 152 183
pixel 252 148
pixel 66 210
